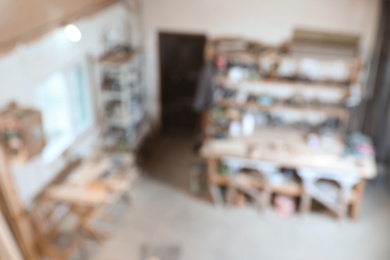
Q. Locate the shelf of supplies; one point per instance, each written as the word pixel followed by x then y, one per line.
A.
pixel 117 59
pixel 241 56
pixel 292 188
pixel 141 134
pixel 116 122
pixel 113 94
pixel 125 94
pixel 337 112
pixel 333 93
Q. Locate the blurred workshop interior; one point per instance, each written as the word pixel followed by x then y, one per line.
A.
pixel 194 130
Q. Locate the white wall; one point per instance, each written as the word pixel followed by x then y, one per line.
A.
pixel 22 70
pixel 270 21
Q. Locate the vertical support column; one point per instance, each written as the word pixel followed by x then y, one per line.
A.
pixel 305 204
pixel 8 246
pixel 215 191
pixel 346 185
pixel 14 211
pixel 357 200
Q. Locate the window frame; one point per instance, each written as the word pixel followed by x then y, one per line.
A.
pixel 53 151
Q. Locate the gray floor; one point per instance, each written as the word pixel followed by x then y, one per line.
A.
pixel 163 212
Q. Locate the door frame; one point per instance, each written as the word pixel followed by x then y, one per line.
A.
pixel 159 123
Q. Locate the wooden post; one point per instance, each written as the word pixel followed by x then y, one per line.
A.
pixel 14 210
pixel 8 246
pixel 356 204
pixel 215 192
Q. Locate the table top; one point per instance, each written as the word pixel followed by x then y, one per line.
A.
pixel 79 196
pixel 86 186
pixel 289 148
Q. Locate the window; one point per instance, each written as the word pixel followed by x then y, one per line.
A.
pixel 80 98
pixel 64 99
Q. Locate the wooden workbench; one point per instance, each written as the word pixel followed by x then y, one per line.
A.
pixel 287 148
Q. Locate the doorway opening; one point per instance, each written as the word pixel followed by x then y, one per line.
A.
pixel 181 60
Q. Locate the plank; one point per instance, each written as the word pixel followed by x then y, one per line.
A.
pixel 27 20
pixel 80 196
pixel 8 246
pixel 14 211
pixel 326 93
pixel 337 112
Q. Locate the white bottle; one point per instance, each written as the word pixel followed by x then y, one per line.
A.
pixel 235 129
pixel 248 124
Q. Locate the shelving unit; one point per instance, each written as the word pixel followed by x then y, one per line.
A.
pixel 316 91
pixel 336 112
pixel 289 113
pixel 122 99
pixel 333 93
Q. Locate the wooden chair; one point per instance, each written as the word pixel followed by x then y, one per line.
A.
pixel 51 242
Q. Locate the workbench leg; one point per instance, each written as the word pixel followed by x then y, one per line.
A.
pixel 231 195
pixel 214 189
pixel 347 185
pixel 307 183
pixel 305 204
pixel 356 203
pixel 343 201
pixel 216 195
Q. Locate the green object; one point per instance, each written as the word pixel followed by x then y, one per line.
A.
pixel 224 170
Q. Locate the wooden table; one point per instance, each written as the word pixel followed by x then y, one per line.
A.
pixel 86 191
pixel 84 203
pixel 286 148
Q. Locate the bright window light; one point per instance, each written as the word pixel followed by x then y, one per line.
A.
pixel 73 33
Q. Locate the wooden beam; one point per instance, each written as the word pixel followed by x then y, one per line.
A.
pixel 8 246
pixel 25 21
pixel 14 211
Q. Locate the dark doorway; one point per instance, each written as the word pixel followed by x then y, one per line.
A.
pixel 181 61
pixel 377 120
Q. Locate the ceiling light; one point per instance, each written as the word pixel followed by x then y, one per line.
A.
pixel 72 33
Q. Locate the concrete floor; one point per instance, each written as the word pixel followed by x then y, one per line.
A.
pixel 163 212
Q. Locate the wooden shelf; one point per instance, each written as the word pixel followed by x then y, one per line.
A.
pixel 119 122
pixel 333 93
pixel 300 94
pixel 337 112
pixel 281 83
pixel 117 59
pixel 293 189
pixel 142 134
pixel 243 57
